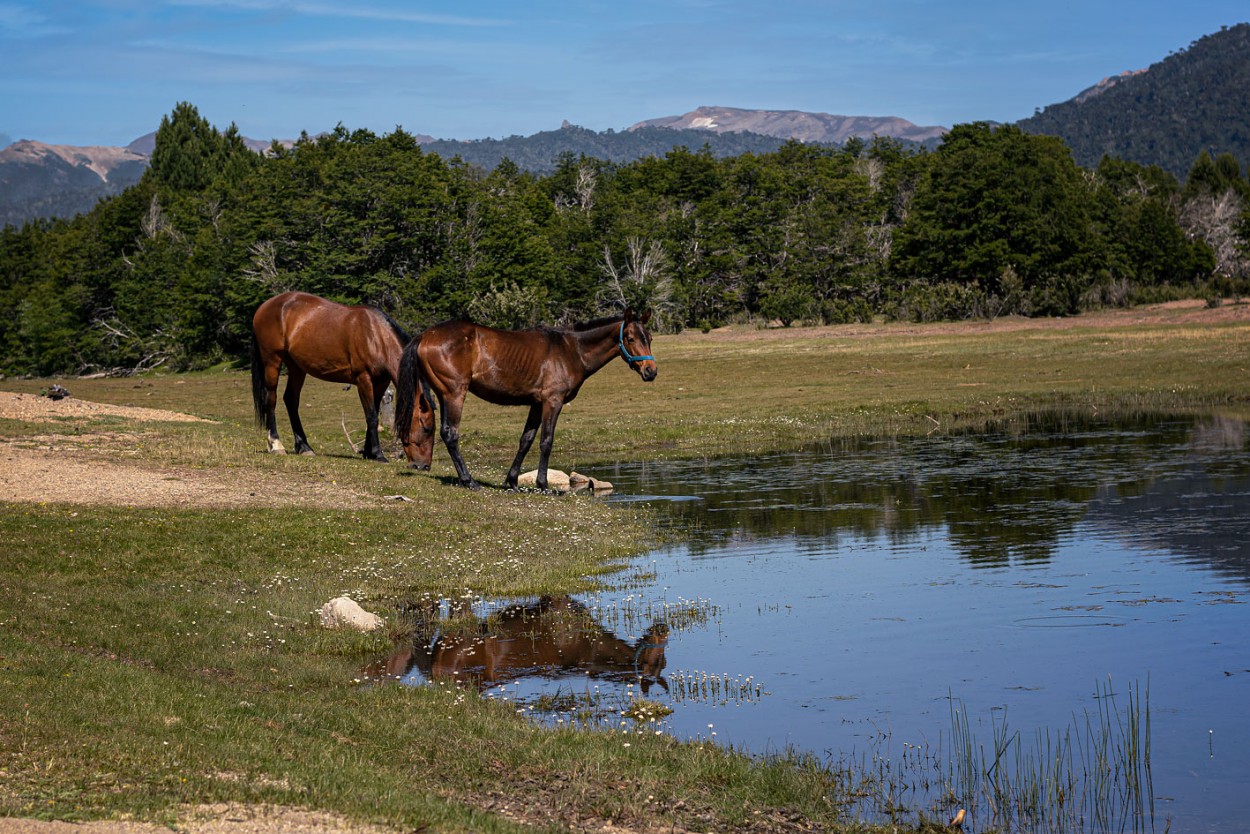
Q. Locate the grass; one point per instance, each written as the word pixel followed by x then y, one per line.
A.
pixel 159 656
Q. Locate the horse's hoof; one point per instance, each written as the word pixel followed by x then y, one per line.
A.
pixel 473 485
pixel 308 453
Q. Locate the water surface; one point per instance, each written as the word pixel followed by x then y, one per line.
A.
pixel 845 600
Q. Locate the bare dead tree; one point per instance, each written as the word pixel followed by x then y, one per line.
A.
pixel 642 280
pixel 583 196
pixel 1214 218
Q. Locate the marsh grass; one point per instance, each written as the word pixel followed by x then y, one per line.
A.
pixel 158 656
pixel 1093 775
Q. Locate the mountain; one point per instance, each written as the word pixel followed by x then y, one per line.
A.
pixel 541 152
pixel 147 142
pixel 38 180
pixel 823 128
pixel 41 180
pixel 1191 101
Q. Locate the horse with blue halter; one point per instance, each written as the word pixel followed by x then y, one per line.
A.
pixel 542 368
pixel 358 345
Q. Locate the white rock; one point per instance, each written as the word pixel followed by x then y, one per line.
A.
pixel 557 481
pixel 343 612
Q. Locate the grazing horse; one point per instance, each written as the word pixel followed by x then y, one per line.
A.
pixel 556 637
pixel 358 345
pixel 542 368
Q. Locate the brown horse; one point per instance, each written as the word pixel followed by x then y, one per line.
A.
pixel 555 637
pixel 542 368
pixel 358 345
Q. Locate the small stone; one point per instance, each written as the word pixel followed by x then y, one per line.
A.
pixel 343 612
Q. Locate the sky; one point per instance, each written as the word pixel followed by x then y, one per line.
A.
pixel 104 72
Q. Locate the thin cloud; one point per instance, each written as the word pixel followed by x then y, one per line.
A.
pixel 346 11
pixel 21 21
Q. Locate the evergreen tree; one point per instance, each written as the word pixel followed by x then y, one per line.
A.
pixel 188 151
pixel 997 201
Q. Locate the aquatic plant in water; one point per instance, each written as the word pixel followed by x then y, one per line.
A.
pixel 1092 776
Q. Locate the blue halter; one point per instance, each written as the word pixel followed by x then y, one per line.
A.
pixel 629 357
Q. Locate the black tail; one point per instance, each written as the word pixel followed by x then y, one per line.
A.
pixel 406 388
pixel 259 393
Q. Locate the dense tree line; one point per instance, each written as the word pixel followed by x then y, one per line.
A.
pixel 993 221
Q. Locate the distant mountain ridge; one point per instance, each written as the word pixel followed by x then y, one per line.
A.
pixel 41 180
pixel 541 152
pixel 1195 99
pixel 1191 101
pixel 823 128
pixel 1104 85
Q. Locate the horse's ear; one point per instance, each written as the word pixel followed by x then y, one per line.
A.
pixel 629 314
pixel 646 315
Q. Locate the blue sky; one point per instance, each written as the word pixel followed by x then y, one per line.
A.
pixel 87 72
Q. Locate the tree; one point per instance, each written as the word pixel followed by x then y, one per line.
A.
pixel 188 150
pixel 996 198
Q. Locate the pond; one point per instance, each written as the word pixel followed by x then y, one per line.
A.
pixel 1056 589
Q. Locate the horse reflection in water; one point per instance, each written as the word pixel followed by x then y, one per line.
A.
pixel 556 637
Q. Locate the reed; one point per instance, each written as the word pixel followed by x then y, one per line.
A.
pixel 1091 776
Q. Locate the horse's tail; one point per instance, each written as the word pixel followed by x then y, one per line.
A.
pixel 410 377
pixel 260 393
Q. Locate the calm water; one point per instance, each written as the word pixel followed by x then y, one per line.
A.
pixel 846 597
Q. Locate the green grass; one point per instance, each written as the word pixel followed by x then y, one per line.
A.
pixel 161 656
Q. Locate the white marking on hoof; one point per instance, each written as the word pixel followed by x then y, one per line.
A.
pixel 276 446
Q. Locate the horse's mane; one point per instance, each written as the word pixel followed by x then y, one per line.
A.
pixel 593 323
pixel 399 332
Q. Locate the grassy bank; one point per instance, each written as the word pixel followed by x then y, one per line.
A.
pixel 162 654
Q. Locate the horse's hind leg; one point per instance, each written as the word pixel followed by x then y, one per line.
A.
pixel 290 397
pixel 272 370
pixel 532 422
pixel 371 390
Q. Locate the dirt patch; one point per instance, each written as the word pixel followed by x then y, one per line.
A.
pixel 51 474
pixel 91 469
pixel 208 819
pixel 35 408
pixel 1187 313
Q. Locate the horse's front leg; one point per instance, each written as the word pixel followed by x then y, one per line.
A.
pixel 551 413
pixel 290 397
pixel 450 409
pixel 371 391
pixel 532 422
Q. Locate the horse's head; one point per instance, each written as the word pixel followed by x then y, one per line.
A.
pixel 635 345
pixel 649 656
pixel 419 441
